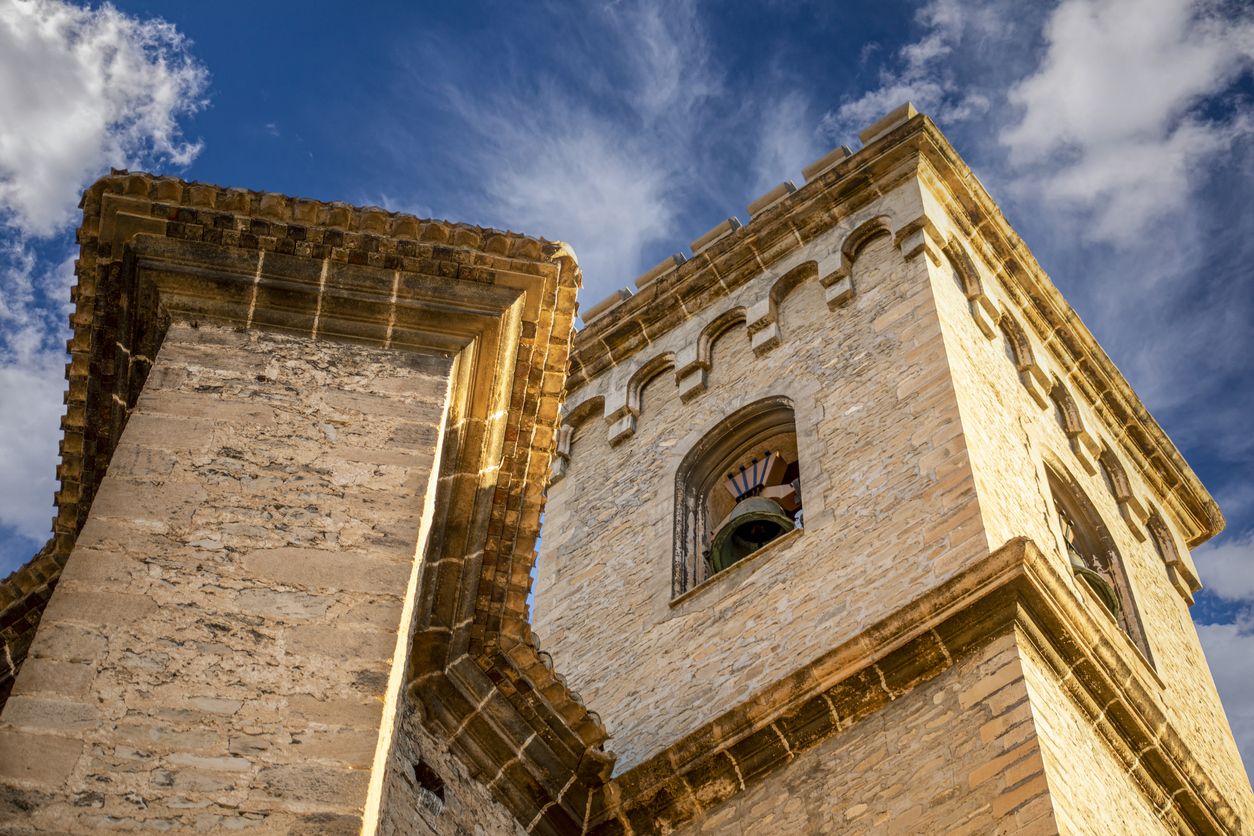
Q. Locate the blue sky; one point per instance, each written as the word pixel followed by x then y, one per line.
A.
pixel 1118 136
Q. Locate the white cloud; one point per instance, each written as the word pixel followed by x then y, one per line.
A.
pixel 1230 652
pixel 1108 123
pixel 922 73
pixel 787 140
pixel 598 147
pixel 80 90
pixel 1227 567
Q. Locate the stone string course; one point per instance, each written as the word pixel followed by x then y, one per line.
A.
pixel 882 315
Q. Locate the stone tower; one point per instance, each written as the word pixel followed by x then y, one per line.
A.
pixel 853 527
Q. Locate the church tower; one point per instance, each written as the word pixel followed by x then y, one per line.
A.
pixel 853 527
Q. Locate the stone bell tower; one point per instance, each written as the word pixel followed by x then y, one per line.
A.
pixel 854 527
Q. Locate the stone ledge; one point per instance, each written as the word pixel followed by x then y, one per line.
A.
pixel 1016 587
pixel 156 250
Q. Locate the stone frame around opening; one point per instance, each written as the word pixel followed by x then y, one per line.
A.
pixel 698 473
pixel 1065 491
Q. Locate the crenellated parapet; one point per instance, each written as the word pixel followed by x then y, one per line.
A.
pixel 739 275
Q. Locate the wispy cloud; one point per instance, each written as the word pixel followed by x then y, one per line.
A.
pixel 925 72
pixel 1116 137
pixel 597 148
pixel 1109 122
pixel 80 90
pixel 1228 648
pixel 787 139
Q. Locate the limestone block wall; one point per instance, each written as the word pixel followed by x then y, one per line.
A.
pixel 217 651
pixel 1017 436
pixel 958 754
pixel 889 502
pixel 452 803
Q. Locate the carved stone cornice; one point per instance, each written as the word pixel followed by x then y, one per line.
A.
pixel 1015 588
pixel 155 250
pixel 914 150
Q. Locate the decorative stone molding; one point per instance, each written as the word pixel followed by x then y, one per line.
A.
pixel 1179 565
pixel 762 319
pixel 561 455
pixel 772 197
pixel 1085 448
pixel 838 285
pixel 606 304
pixel 919 236
pixel 1031 374
pixel 691 372
pixel 1133 511
pixel 658 270
pixel 983 311
pixel 1017 588
pixel 887 123
pixel 825 163
pixel 157 250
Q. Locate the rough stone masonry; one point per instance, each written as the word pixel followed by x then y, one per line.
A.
pixel 306 452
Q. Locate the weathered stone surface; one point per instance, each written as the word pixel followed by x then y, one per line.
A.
pixel 298 603
pixel 214 605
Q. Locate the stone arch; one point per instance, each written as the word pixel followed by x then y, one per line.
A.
pixel 862 235
pixel 763 317
pixel 838 285
pixel 1030 373
pixel 1177 562
pixel 1092 552
pixel 1067 412
pixel 1018 342
pixel 964 267
pixel 692 361
pixel 645 374
pixel 581 410
pixel 982 309
pixel 571 420
pixel 701 468
pixel 1115 475
pixel 716 328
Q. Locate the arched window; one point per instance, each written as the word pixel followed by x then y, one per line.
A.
pixel 1091 552
pixel 738 489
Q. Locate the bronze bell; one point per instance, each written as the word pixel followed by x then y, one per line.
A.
pixel 752 524
pixel 1097 582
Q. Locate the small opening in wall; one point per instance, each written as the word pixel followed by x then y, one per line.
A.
pixel 430 788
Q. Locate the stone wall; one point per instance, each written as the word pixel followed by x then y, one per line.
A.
pixel 428 791
pixel 889 504
pixel 958 754
pixel 216 653
pixel 1017 438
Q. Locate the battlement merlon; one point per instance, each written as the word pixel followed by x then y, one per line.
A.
pixel 618 342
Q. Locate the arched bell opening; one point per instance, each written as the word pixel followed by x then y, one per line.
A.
pixel 737 490
pixel 1091 553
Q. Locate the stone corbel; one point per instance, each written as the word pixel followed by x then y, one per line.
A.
pixel 620 413
pixel 920 236
pixel 985 315
pixel 691 373
pixel 561 455
pixel 837 287
pixel 1037 384
pixel 763 327
pixel 1086 450
pixel 1135 514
